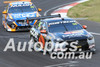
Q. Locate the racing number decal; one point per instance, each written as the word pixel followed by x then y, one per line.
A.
pixel 42 40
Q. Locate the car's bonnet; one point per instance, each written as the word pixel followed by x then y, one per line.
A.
pixel 19 16
pixel 73 35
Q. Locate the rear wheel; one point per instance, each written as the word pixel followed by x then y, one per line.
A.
pixel 37 44
pixel 49 46
pixel 32 38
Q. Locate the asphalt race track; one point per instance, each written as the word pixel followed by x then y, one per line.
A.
pixel 36 59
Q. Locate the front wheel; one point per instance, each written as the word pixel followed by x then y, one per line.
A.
pixel 49 46
pixel 93 50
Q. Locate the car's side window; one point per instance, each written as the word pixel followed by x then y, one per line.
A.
pixel 42 26
pixel 38 25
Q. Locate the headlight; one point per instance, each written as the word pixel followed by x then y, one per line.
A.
pixel 10 23
pixel 90 38
pixel 58 40
pixel 9 19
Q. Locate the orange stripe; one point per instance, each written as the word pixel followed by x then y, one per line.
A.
pixel 15 24
pixel 5 16
pixel 42 40
pixel 35 22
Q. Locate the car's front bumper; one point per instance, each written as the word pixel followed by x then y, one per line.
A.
pixel 23 28
pixel 19 28
pixel 85 47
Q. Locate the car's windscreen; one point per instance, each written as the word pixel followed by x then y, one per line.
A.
pixel 64 26
pixel 56 28
pixel 21 9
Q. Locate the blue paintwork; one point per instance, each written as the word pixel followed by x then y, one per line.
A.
pixel 23 16
pixel 82 34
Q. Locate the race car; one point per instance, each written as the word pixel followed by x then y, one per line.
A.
pixel 62 30
pixel 16 13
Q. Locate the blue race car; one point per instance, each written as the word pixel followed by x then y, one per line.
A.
pixel 62 30
pixel 16 13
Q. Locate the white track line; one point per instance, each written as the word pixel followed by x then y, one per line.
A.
pixel 45 13
pixel 70 63
pixel 64 10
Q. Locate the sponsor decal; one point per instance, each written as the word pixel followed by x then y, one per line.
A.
pixel 23 15
pixel 73 34
pixel 54 23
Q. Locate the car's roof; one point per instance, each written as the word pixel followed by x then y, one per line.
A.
pixel 58 19
pixel 20 2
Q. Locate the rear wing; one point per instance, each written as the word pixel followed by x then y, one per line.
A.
pixel 43 17
pixel 15 1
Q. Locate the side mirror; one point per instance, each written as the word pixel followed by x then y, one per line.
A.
pixel 4 12
pixel 43 31
pixel 84 26
pixel 39 9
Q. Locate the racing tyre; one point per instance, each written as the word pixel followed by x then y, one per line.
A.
pixel 49 46
pixel 32 38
